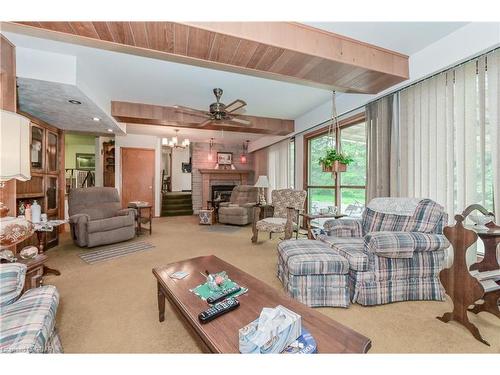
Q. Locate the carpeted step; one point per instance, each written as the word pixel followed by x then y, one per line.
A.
pixel 177 212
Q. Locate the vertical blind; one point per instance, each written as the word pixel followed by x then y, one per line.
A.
pixel 449 136
pixel 278 166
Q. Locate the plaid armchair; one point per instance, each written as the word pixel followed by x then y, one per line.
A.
pixel 283 214
pixel 27 322
pixel 395 251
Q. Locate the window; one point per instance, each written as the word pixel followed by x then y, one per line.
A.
pixel 353 181
pixel 345 190
pixel 291 164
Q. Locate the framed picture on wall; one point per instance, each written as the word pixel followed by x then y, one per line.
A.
pixel 225 158
pixel 85 162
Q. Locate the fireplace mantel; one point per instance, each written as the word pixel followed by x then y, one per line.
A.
pixel 209 175
pixel 225 171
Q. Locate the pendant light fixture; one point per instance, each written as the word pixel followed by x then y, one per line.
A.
pixel 243 157
pixel 211 146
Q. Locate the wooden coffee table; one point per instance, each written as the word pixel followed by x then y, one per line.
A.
pixel 221 334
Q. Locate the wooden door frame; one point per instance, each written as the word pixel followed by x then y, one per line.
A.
pixel 153 203
pixel 345 123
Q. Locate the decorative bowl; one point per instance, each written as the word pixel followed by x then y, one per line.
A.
pixel 481 220
pixel 29 252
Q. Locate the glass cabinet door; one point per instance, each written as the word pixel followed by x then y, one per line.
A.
pixel 51 193
pixel 52 152
pixel 37 135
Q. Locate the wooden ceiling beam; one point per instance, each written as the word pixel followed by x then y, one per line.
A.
pixel 285 51
pixel 147 114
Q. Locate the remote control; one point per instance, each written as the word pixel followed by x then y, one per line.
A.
pixel 214 298
pixel 218 309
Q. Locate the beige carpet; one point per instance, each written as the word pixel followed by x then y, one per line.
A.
pixel 110 307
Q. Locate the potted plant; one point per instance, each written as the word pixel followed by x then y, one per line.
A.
pixel 334 161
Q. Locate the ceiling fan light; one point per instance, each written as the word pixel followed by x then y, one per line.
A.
pixel 174 140
pixel 164 141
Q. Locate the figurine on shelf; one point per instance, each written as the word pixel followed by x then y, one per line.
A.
pixel 21 208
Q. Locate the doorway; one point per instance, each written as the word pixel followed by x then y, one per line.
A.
pixel 138 175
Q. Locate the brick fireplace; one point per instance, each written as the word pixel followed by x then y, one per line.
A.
pixel 204 176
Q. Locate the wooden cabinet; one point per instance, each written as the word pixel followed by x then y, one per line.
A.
pixel 45 184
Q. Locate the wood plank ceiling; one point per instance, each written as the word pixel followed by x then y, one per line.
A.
pixel 285 51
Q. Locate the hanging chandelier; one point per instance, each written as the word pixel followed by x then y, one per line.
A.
pixel 174 142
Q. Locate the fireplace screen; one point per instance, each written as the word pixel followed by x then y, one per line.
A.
pixel 222 193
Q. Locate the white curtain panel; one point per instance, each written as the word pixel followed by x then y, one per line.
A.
pixel 449 136
pixel 277 167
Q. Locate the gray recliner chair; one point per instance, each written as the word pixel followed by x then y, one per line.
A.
pixel 239 209
pixel 96 217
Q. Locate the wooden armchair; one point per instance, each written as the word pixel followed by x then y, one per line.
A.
pixel 282 215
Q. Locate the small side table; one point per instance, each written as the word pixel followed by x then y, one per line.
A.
pixel 35 271
pixel 41 230
pixel 144 216
pixel 309 217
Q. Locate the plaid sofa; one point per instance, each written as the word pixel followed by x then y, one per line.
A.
pixel 27 322
pixel 392 257
pixel 312 273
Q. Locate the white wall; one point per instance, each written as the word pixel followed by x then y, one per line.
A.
pixel 180 181
pixel 139 141
pixel 45 66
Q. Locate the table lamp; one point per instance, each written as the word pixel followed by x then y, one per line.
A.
pixel 14 165
pixel 262 183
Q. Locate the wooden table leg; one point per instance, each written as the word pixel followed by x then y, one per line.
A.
pixel 309 229
pixel 161 303
pixel 490 304
pixel 42 238
pixel 150 221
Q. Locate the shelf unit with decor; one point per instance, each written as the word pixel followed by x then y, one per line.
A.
pixel 108 155
pixel 47 183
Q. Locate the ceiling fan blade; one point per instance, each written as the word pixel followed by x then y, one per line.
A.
pixel 204 123
pixel 240 121
pixel 234 106
pixel 190 111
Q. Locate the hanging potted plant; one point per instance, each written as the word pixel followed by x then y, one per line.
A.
pixel 334 161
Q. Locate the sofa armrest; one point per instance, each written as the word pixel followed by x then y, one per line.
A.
pixel 343 227
pixel 127 211
pixel 12 277
pixel 403 244
pixel 78 225
pixel 249 204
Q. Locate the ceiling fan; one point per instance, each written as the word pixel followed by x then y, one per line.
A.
pixel 218 112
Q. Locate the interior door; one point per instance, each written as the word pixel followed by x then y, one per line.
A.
pixel 138 173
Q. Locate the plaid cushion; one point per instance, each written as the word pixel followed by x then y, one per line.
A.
pixel 343 227
pixel 316 290
pixel 12 276
pixel 403 244
pixel 350 248
pixel 313 273
pixel 28 324
pixel 429 217
pixel 310 257
pixel 421 265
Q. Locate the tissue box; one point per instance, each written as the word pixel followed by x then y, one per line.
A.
pixel 275 337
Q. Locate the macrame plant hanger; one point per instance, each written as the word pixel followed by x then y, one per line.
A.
pixel 332 129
